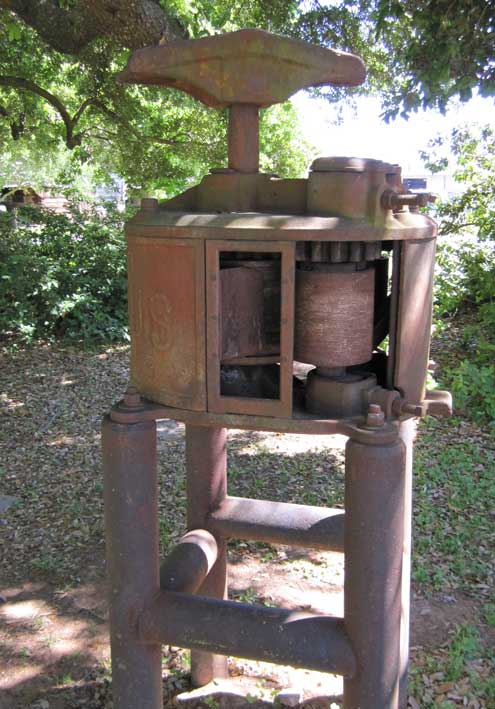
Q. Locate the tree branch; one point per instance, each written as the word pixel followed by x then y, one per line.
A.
pixel 99 105
pixel 73 139
pixel 17 82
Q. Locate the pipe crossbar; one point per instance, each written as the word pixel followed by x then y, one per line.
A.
pixel 253 632
pixel 279 523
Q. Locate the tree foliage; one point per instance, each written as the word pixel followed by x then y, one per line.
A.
pixel 58 60
pixel 58 93
pixel 465 282
pixel 418 55
pixel 473 152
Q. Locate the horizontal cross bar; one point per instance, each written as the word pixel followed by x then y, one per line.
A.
pixel 279 523
pixel 249 631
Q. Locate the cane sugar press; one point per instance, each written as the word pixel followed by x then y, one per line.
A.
pixel 264 303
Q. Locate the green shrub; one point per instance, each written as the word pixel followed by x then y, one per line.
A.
pixel 63 275
pixel 465 273
pixel 465 282
pixel 473 389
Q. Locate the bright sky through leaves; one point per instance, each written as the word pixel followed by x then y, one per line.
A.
pixel 362 133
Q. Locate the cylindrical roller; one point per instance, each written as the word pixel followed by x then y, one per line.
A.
pixel 189 563
pixel 334 316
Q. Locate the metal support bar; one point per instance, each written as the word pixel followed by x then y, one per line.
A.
pixel 206 465
pixel 253 632
pixel 131 521
pixel 279 523
pixel 243 137
pixel 374 531
pixel 407 433
pixel 189 563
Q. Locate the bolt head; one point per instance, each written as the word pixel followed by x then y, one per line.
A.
pixel 132 397
pixel 375 417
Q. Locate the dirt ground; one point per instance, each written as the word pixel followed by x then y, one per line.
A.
pixel 54 651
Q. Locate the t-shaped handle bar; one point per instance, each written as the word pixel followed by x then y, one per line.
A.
pixel 243 70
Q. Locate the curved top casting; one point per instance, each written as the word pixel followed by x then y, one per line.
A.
pixel 249 66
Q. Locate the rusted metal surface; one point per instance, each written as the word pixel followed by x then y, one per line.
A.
pixel 161 223
pixel 254 632
pixel 438 403
pixel 279 523
pixel 334 316
pixel 213 345
pixel 407 434
pixel 339 251
pixel 243 138
pixel 342 396
pixel 301 421
pixel 414 311
pixel 373 542
pixel 393 200
pixel 167 320
pixel 351 187
pixel 282 405
pixel 227 190
pixel 282 195
pixel 131 526
pixel 249 66
pixel 269 270
pixel 206 477
pixel 240 312
pixel 189 562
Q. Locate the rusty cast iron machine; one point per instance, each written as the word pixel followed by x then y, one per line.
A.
pixel 261 303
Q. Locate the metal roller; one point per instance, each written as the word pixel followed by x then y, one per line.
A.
pixel 334 316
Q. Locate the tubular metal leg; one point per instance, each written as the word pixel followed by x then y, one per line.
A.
pixel 131 522
pixel 206 460
pixel 407 434
pixel 374 530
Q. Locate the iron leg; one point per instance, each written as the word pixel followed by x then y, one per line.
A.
pixel 374 530
pixel 206 460
pixel 131 522
pixel 407 434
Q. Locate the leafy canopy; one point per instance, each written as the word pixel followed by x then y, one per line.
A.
pixel 418 55
pixel 62 114
pixel 59 102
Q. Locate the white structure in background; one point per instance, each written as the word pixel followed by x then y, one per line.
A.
pixel 440 183
pixel 113 192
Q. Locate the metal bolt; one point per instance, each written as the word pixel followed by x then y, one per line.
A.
pixel 394 200
pixel 401 407
pixel 132 398
pixel 414 409
pixel 375 417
